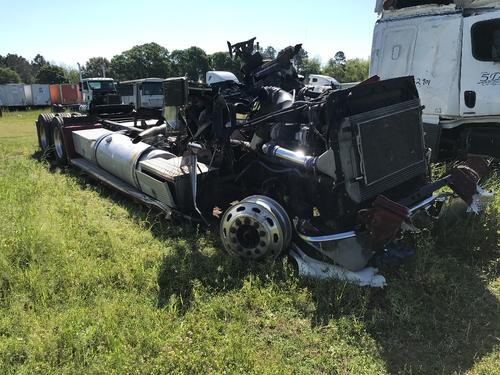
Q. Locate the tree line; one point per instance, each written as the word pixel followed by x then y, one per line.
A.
pixel 153 60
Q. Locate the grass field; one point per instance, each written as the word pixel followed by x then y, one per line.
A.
pixel 92 284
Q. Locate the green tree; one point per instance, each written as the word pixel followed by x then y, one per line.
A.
pixel 72 75
pixel 310 66
pixel 8 75
pixel 37 63
pixel 269 53
pixel 21 66
pixel 93 67
pixel 334 70
pixel 51 74
pixel 192 62
pixel 353 70
pixel 146 60
pixel 222 61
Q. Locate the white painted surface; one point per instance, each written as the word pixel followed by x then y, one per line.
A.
pixel 220 76
pixel 13 95
pixel 40 94
pixel 482 77
pixel 435 46
pixel 427 47
pixel 143 93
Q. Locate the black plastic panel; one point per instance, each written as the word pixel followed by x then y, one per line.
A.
pixel 176 92
pixel 390 145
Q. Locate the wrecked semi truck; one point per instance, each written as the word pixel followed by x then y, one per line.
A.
pixel 452 48
pixel 332 179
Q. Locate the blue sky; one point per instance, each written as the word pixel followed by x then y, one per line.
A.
pixel 72 31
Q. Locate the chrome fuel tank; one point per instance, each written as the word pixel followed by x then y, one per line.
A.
pixel 117 154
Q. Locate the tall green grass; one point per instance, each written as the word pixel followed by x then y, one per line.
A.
pixel 91 283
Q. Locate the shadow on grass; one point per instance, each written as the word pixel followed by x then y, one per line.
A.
pixel 436 316
pixel 215 271
pixel 196 257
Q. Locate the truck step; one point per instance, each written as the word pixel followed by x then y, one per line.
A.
pixel 108 179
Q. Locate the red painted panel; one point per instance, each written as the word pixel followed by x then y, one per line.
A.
pixel 70 94
pixel 55 94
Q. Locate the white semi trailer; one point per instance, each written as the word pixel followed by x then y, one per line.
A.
pixel 453 51
pixel 15 95
pixel 40 95
pixel 20 95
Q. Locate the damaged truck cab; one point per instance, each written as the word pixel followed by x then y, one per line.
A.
pixel 331 179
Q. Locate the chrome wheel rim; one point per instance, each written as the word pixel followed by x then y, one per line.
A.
pixel 255 228
pixel 43 137
pixel 58 144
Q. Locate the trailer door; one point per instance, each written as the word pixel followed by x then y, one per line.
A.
pixel 480 82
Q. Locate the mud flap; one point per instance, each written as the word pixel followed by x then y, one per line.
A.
pixel 383 221
pixel 464 182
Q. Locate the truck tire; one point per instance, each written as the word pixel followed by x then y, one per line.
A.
pixel 43 131
pixel 59 146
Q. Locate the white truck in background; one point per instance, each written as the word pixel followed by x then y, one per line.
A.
pixel 214 76
pixel 142 93
pixel 90 86
pixel 320 83
pixel 453 52
pixel 98 94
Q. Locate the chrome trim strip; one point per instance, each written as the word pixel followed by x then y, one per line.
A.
pixel 327 238
pixel 351 234
pixel 427 202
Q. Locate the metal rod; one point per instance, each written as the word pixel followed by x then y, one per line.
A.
pixel 351 234
pixel 427 202
pixel 327 238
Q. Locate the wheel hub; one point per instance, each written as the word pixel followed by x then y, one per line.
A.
pixel 248 236
pixel 255 228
